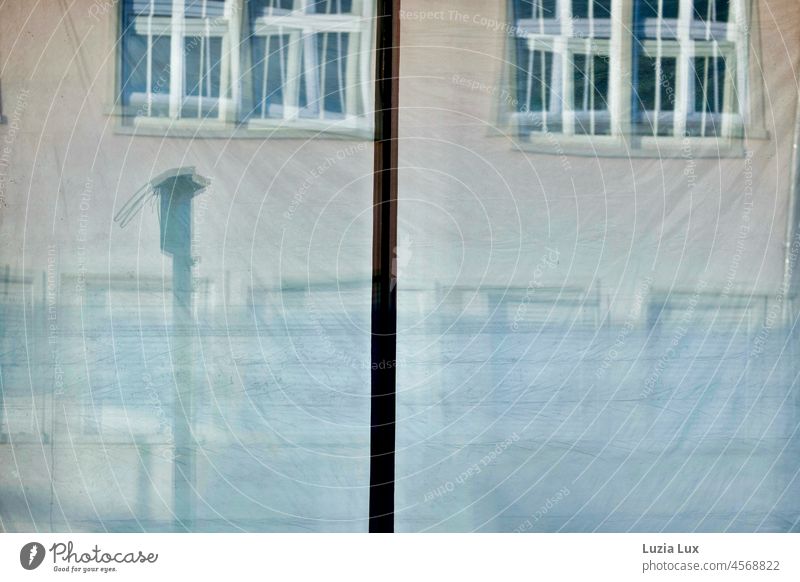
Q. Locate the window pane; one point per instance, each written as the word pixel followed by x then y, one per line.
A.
pixel 650 23
pixel 145 62
pixel 599 8
pixel 269 74
pixel 590 94
pixel 309 73
pixel 201 75
pixel 646 83
pixel 331 6
pixel 204 8
pixel 709 84
pixel 667 84
pixel 332 55
pixel 711 10
pixel 536 8
pixel 656 95
pixel 589 338
pixel 149 7
pixel 534 87
pixel 147 54
pixel 186 344
pixel 590 82
pixel 712 86
pixel 650 8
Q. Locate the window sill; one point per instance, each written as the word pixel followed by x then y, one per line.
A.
pixel 633 146
pixel 214 129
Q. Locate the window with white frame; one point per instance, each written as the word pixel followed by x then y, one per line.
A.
pixel 259 63
pixel 658 68
pixel 310 60
pixel 563 51
pixel 175 58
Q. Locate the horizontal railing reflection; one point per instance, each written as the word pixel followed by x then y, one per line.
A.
pixel 281 378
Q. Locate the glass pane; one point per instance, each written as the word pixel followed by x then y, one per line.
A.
pixel 268 74
pixel 145 66
pixel 590 93
pixel 667 85
pixel 591 8
pixel 710 91
pixel 709 84
pixel 184 320
pixel 204 8
pixel 310 72
pixel 534 74
pixel 656 18
pixel 646 83
pixel 332 56
pixel 202 64
pixel 331 6
pixel 593 335
pixel 525 9
pixel 655 95
pixel 264 7
pixel 711 10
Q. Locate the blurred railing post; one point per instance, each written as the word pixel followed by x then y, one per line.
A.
pixel 175 193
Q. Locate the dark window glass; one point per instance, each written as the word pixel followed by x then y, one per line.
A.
pixel 524 9
pixel 534 79
pixel 262 7
pixel 600 8
pixel 268 73
pixel 331 6
pixel 138 53
pixel 590 82
pixel 711 10
pixel 709 84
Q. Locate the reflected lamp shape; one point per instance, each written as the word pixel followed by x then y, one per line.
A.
pixel 174 190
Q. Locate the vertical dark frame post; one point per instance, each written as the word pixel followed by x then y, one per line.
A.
pixel 384 280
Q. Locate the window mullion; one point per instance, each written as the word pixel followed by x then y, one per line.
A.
pixel 352 66
pixel 739 31
pixel 683 67
pixel 229 83
pixel 312 70
pixel 729 96
pixel 365 60
pixel 149 72
pixel 565 58
pixel 735 94
pixel 656 121
pixel 621 64
pixel 291 92
pixel 177 28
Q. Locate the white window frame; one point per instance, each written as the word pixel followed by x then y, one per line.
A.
pixel 614 38
pixel 178 28
pixel 299 23
pixel 565 37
